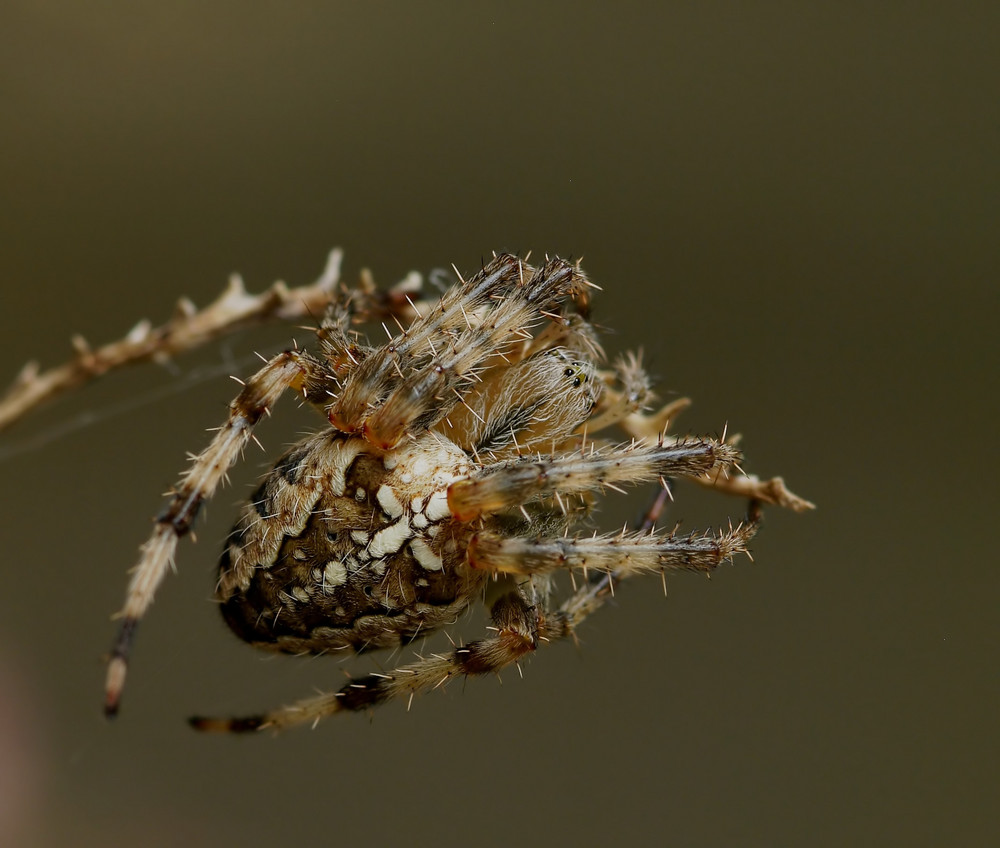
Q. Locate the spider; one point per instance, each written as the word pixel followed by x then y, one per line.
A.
pixel 456 460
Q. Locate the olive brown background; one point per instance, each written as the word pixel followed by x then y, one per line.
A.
pixel 792 207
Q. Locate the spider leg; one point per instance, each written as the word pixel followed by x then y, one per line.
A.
pixel 428 394
pixel 289 370
pixel 518 626
pixel 507 484
pixel 623 554
pixel 599 586
pixel 375 378
pixel 500 305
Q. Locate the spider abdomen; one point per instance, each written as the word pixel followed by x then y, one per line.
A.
pixel 344 545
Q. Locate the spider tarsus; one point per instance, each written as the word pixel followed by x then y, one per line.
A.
pixel 114 684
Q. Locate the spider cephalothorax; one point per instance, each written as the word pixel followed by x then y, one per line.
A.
pixel 466 447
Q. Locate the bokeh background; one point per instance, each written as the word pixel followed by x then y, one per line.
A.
pixel 791 207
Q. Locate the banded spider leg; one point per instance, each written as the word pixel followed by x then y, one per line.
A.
pixel 293 370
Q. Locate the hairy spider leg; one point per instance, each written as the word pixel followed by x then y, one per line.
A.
pixel 376 377
pixel 403 393
pixel 518 624
pixel 429 393
pixel 622 553
pixel 289 370
pixel 506 484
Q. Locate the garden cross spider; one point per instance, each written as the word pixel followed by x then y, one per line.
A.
pixel 459 454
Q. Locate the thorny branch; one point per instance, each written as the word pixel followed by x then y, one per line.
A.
pixel 189 327
pixel 648 428
pixel 750 486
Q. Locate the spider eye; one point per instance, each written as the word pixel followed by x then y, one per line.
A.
pixel 577 372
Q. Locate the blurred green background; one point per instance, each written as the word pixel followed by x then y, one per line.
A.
pixel 791 207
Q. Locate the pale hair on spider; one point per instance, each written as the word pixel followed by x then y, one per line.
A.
pixel 458 458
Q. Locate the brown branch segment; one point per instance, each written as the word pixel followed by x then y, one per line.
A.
pixel 190 327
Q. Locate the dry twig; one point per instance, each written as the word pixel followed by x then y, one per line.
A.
pixel 190 327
